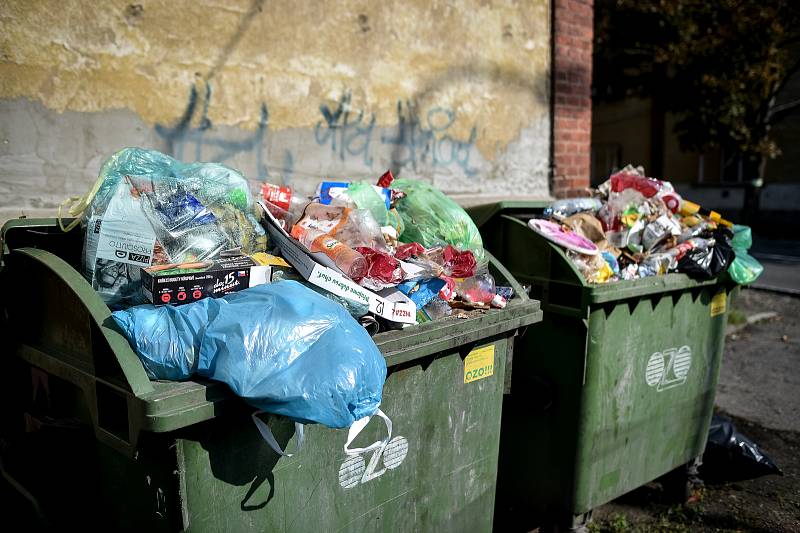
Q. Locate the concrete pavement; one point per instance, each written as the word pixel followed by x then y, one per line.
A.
pixel 781 260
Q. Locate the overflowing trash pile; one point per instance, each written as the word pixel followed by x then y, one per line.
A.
pixel 168 233
pixel 634 226
pixel 150 210
pixel 402 240
pixel 275 295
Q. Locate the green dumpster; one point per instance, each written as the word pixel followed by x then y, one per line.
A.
pixel 614 388
pixel 92 440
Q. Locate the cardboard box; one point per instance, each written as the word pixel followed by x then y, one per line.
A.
pixel 188 282
pixel 318 269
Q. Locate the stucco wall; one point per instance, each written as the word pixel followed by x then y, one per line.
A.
pixel 452 91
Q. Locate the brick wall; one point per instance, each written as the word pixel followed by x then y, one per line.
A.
pixel 572 104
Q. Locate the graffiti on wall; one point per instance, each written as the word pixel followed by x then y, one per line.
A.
pixel 350 135
pixel 187 141
pixel 416 143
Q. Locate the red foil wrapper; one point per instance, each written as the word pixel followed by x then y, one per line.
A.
pixel 404 251
pixel 459 264
pixel 386 179
pixel 382 267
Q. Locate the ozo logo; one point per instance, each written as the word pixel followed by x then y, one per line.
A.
pixel 355 470
pixel 669 368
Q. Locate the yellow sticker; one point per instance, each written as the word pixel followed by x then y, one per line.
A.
pixel 265 259
pixel 718 304
pixel 479 364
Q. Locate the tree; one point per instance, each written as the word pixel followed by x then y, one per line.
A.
pixel 719 65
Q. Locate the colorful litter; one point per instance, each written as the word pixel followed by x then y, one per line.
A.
pixel 634 226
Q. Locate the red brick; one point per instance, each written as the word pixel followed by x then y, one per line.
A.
pixel 572 71
pixel 563 86
pixel 562 160
pixel 565 40
pixel 576 101
pixel 574 148
pixel 566 124
pixel 579 78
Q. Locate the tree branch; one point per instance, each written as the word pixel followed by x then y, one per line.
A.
pixel 780 111
pixel 776 113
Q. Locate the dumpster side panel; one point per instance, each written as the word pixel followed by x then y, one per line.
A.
pixel 538 442
pixel 200 464
pixel 651 373
pixel 574 437
pixel 615 386
pixel 437 473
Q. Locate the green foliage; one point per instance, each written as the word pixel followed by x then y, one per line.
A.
pixel 718 65
pixel 616 524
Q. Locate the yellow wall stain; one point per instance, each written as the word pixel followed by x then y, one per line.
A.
pixel 483 63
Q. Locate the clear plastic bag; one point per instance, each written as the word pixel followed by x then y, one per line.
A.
pixel 148 208
pixel 595 268
pixel 283 203
pixel 437 309
pixel 383 270
pixel 353 227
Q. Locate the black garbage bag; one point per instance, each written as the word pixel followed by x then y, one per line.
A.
pixel 730 456
pixel 707 263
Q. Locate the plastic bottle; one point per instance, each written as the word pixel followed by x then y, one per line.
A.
pixel 284 204
pixel 570 206
pixel 348 260
pixel 479 289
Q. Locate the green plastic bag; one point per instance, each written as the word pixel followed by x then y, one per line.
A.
pixel 432 219
pixel 742 237
pixel 365 197
pixel 745 269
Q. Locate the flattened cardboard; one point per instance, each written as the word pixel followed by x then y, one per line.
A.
pixel 318 269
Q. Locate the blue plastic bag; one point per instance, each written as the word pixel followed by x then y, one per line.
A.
pixel 282 347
